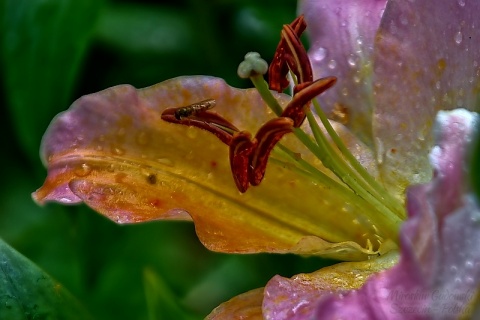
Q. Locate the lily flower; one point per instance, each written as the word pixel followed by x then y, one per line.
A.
pixel 335 189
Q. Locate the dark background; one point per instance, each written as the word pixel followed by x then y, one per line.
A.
pixel 54 51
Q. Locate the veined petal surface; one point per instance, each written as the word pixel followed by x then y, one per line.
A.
pixel 426 59
pixel 297 298
pixel 342 34
pixel 438 273
pixel 112 151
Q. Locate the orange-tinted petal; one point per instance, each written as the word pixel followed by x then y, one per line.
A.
pixel 247 306
pixel 113 151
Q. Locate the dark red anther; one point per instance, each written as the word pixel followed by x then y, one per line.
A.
pixel 249 156
pixel 290 55
pixel 304 93
pixel 267 136
pixel 241 149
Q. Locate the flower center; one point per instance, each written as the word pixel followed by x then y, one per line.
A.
pixel 248 156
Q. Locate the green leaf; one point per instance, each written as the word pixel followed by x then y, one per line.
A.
pixel 475 162
pixel 43 45
pixel 161 302
pixel 26 292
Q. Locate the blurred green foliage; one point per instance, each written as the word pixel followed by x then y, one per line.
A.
pixel 52 52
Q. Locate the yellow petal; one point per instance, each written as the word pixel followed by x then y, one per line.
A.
pixel 245 306
pixel 112 151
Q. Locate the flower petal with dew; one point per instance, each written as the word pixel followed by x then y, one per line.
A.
pixel 112 151
pixel 342 36
pixel 438 273
pixel 397 64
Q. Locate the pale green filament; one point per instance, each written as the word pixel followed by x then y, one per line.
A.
pixel 352 173
pixel 370 184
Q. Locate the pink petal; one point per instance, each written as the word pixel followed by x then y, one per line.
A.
pixel 342 35
pixel 426 59
pixel 297 298
pixel 439 269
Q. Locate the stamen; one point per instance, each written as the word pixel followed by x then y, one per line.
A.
pixel 278 70
pixel 241 149
pixel 299 63
pixel 308 91
pixel 267 136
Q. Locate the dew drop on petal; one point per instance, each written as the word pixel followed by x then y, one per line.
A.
pixel 469 264
pixel 319 54
pixel 461 3
pixel 380 150
pixel 352 61
pixel 332 64
pixel 83 170
pixel 65 200
pixel 117 150
pixel 458 37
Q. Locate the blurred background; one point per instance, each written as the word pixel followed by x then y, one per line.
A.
pixel 54 51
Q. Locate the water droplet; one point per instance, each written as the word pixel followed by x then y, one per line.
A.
pixel 469 264
pixel 319 54
pixel 352 60
pixel 332 64
pixel 458 37
pixel 111 168
pixel 380 150
pixel 83 170
pixel 461 3
pixel 65 200
pixel 360 41
pixel 117 150
pixel 437 85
